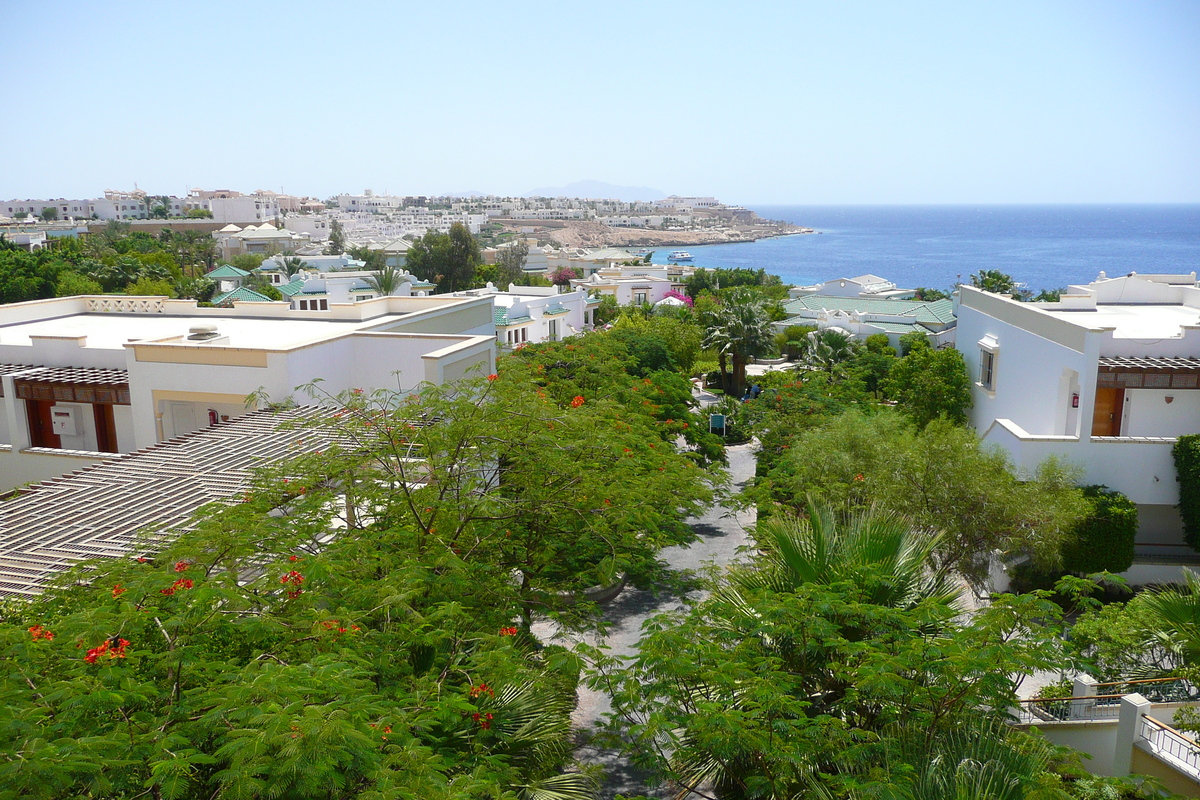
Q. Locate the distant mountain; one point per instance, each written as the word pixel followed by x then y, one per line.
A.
pixel 468 195
pixel 599 190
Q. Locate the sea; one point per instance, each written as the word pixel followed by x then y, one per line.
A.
pixel 1040 246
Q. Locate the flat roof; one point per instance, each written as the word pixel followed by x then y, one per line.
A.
pixel 113 331
pixel 1131 321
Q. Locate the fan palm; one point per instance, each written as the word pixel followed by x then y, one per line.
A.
pixel 1177 613
pixel 829 349
pixel 827 548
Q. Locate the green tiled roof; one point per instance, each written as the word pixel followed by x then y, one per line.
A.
pixel 290 289
pixel 553 311
pixel 500 317
pixel 227 271
pixel 243 294
pixel 938 312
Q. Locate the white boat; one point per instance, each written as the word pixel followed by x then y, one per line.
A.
pixel 680 255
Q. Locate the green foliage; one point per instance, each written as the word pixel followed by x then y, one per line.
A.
pixel 792 341
pixel 930 384
pixel 1186 452
pixel 711 280
pixel 337 239
pixel 607 311
pixel 1049 295
pixel 248 262
pixel 805 672
pixel 993 280
pixel 914 340
pixel 1103 540
pixel 49 213
pixel 680 337
pixel 941 477
pixel 152 287
pixel 1116 642
pixel 374 260
pixel 737 329
pixel 929 295
pixel 199 213
pixel 72 283
pixel 447 259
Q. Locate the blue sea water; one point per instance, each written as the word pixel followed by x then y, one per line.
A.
pixel 1044 247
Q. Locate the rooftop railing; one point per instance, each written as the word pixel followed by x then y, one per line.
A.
pixel 1170 744
pixel 1068 709
pixel 1156 690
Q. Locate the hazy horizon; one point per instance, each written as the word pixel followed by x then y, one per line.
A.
pixel 775 104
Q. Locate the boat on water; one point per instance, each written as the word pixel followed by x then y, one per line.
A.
pixel 645 251
pixel 680 255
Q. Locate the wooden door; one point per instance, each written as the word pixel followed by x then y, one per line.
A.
pixel 41 430
pixel 1106 420
pixel 106 428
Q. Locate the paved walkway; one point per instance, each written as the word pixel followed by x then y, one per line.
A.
pixel 722 532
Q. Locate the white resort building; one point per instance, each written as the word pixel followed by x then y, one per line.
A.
pixel 82 378
pixel 1107 378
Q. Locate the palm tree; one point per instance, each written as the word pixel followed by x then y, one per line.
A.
pixel 386 280
pixel 1176 613
pixel 828 350
pixel 739 329
pixel 884 554
pixel 828 548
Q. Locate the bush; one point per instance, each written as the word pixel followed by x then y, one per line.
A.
pixel 1104 538
pixel 1187 466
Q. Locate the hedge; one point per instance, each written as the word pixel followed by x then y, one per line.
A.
pixel 1187 467
pixel 1104 539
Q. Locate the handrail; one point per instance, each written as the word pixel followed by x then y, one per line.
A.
pixel 1166 741
pixel 1080 697
pixel 1131 683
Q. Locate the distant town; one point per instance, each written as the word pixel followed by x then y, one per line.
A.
pixel 379 219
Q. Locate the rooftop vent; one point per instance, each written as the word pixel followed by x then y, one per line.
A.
pixel 202 332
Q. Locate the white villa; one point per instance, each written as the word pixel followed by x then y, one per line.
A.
pixel 863 316
pixel 84 377
pixel 865 286
pixel 527 314
pixel 630 285
pixel 1106 378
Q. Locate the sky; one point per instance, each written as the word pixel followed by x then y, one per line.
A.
pixel 755 103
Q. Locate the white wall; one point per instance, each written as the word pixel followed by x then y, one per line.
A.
pixel 1147 412
pixel 1027 380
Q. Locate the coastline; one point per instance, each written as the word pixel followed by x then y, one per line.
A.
pixel 591 235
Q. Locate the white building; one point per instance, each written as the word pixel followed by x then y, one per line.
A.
pixel 629 285
pixel 1106 378
pixel 86 376
pixel 862 286
pixel 527 314
pixel 863 316
pixel 264 238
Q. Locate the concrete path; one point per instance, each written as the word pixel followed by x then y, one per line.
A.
pixel 722 532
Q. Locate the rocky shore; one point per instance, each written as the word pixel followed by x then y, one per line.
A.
pixel 592 234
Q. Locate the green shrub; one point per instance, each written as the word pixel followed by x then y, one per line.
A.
pixel 1104 539
pixel 1187 467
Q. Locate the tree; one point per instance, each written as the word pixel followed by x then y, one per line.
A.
pixel 929 295
pixel 738 329
pixel 993 280
pixel 49 213
pixel 1104 540
pixel 72 283
pixel 510 261
pixel 829 350
pixel 563 276
pixel 337 239
pixel 151 287
pixel 449 260
pixel 199 213
pixel 802 670
pixel 374 260
pixel 940 477
pixel 1049 295
pixel 929 384
pixel 385 281
pixel 462 258
pixel 792 341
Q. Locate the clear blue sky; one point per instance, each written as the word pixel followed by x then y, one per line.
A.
pixel 767 102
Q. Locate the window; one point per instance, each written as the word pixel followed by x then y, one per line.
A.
pixel 324 305
pixel 987 369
